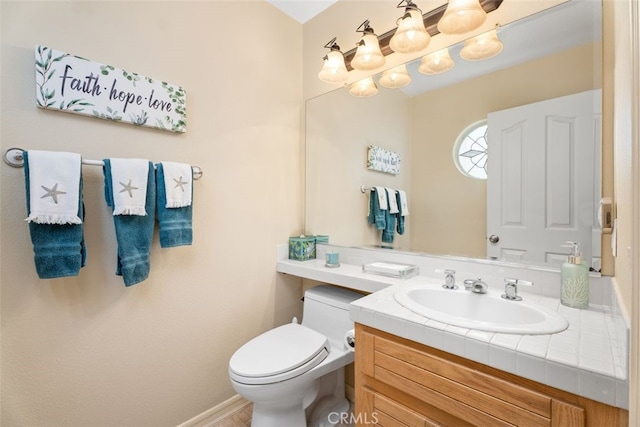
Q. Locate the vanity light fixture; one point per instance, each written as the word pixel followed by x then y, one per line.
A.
pixel 333 70
pixel 437 62
pixel 363 88
pixel 368 55
pixel 461 17
pixel 395 77
pixel 483 46
pixel 411 34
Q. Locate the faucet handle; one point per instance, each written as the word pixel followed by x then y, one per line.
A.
pixel 511 288
pixel 450 279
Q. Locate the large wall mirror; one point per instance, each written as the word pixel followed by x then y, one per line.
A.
pixel 547 56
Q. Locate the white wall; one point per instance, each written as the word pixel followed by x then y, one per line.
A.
pixel 86 350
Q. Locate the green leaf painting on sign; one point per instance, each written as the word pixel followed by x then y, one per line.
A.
pixel 74 84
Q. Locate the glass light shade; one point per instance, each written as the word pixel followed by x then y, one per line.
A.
pixel 461 17
pixel 395 77
pixel 436 62
pixel 410 36
pixel 368 55
pixel 364 87
pixel 484 46
pixel 333 69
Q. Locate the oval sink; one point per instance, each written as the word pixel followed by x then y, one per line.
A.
pixel 485 312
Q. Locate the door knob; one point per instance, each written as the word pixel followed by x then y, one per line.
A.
pixel 494 239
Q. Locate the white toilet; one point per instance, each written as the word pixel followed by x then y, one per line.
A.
pixel 294 374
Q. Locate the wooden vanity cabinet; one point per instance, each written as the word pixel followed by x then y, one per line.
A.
pixel 403 383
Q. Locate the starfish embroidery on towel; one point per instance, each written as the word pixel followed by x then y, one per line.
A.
pixel 180 183
pixel 52 192
pixel 128 188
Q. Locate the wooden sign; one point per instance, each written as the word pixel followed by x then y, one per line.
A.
pixel 382 160
pixel 73 84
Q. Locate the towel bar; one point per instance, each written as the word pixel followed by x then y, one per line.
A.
pixel 364 189
pixel 14 158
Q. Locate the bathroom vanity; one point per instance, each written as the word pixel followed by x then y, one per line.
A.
pixel 402 383
pixel 412 370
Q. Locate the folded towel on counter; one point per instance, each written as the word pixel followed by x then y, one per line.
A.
pixel 376 215
pixel 129 179
pixel 174 208
pixel 391 197
pixel 55 212
pixel 134 230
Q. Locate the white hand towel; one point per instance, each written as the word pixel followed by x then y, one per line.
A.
pixel 129 186
pixel 178 179
pixel 404 203
pixel 382 198
pixel 393 202
pixel 54 187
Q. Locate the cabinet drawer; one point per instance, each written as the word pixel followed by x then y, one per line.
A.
pixel 476 397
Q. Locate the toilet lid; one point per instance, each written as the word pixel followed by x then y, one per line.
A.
pixel 278 354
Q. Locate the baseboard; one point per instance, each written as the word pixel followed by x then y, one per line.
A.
pixel 217 413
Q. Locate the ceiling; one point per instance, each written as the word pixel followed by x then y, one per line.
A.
pixel 302 10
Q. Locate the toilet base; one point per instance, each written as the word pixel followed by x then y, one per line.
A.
pixel 267 415
pixel 322 403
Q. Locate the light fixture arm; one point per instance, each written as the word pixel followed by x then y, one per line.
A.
pixel 366 29
pixel 408 5
pixel 332 45
pixel 431 19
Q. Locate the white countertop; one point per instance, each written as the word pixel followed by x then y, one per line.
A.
pixel 587 359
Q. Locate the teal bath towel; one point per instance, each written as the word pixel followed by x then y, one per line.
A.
pixel 59 249
pixel 134 232
pixel 174 219
pixel 376 216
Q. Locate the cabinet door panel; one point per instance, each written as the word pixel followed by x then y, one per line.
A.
pixel 485 384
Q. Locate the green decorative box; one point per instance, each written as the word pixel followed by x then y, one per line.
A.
pixel 302 248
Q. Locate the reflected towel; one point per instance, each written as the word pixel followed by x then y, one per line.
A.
pixel 175 221
pixel 403 203
pixel 400 215
pixel 388 234
pixel 134 232
pixel 376 215
pixel 393 203
pixel 59 249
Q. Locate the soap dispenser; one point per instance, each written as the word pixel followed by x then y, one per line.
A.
pixel 574 291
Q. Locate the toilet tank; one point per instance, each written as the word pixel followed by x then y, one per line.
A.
pixel 326 310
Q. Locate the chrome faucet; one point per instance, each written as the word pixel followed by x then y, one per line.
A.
pixel 479 287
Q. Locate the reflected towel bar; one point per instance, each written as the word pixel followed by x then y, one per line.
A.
pixel 14 158
pixel 364 189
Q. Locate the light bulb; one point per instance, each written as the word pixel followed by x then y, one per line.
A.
pixel 461 17
pixel 410 36
pixel 364 87
pixel 395 77
pixel 436 62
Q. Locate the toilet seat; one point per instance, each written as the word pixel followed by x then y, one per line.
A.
pixel 278 355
